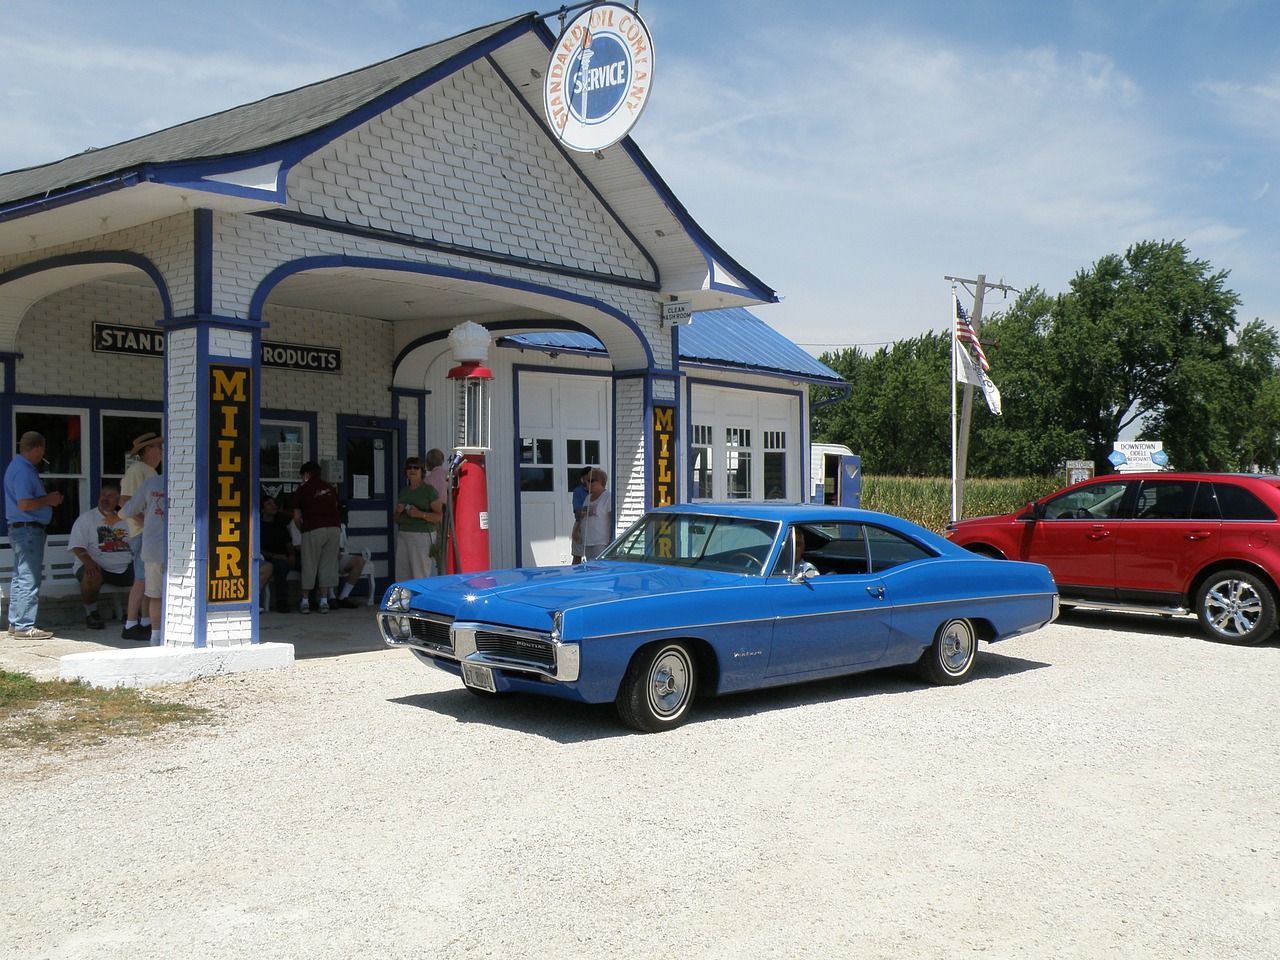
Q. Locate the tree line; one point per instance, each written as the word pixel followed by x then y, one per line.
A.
pixel 1148 338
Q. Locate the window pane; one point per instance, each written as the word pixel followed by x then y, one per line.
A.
pixel 280 451
pixel 118 433
pixel 775 476
pixel 63 459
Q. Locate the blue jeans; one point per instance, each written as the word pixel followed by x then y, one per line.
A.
pixel 28 571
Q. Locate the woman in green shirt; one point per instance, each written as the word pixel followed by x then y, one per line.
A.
pixel 418 515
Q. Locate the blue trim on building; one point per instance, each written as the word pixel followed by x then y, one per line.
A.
pixel 87 191
pixel 454 249
pixel 126 257
pixel 203 256
pixel 283 271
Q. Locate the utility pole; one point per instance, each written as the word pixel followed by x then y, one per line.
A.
pixel 961 452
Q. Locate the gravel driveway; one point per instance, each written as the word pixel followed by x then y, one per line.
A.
pixel 1106 787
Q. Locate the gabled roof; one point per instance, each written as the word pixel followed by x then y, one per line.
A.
pixel 238 161
pixel 733 338
pixel 276 120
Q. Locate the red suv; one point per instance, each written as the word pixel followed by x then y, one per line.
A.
pixel 1153 542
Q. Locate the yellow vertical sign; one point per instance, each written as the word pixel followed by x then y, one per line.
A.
pixel 230 475
pixel 664 456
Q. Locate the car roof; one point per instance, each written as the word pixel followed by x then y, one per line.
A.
pixel 777 511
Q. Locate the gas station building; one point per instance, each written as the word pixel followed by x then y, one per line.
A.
pixel 277 283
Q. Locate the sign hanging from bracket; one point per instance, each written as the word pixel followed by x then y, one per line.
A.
pixel 599 76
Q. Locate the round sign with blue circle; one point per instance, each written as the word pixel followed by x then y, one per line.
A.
pixel 598 79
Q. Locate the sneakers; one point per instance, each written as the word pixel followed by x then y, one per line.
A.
pixel 137 632
pixel 324 606
pixel 31 633
pixel 304 606
pixel 94 621
pixel 346 603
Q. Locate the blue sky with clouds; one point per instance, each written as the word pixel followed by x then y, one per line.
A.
pixel 850 154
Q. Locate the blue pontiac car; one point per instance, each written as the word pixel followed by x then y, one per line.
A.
pixel 707 599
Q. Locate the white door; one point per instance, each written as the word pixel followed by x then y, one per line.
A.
pixel 563 428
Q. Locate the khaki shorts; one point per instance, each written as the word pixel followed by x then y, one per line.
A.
pixel 155 579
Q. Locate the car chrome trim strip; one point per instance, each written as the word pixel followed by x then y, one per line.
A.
pixel 1127 607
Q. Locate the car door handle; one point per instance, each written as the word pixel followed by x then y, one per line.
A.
pixel 1198 535
pixel 1099 533
pixel 877 592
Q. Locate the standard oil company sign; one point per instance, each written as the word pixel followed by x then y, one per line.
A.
pixel 598 79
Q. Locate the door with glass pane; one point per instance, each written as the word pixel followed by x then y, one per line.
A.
pixel 563 428
pixel 369 487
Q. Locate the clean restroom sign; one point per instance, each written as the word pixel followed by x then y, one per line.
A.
pixel 598 78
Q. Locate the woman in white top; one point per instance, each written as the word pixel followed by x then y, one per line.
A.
pixel 597 523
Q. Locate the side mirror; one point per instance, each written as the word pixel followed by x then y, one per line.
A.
pixel 1034 511
pixel 806 571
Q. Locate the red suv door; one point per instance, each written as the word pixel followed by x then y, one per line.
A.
pixel 1175 530
pixel 1074 535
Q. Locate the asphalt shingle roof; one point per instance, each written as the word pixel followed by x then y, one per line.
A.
pixel 255 126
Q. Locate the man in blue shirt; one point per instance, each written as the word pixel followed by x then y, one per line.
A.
pixel 28 509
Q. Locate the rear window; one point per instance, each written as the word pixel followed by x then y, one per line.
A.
pixel 1237 503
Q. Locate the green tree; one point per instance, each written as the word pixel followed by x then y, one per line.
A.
pixel 1142 336
pixel 897 415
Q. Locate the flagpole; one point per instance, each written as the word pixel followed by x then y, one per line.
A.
pixel 955 376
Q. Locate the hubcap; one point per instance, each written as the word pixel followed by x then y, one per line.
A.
pixel 956 648
pixel 669 683
pixel 1232 607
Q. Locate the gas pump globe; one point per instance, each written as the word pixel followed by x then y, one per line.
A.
pixel 467 509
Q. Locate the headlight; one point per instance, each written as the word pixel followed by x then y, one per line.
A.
pixel 399 598
pixel 400 628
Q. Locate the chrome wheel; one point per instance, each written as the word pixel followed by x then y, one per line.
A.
pixel 1237 607
pixel 658 688
pixel 669 682
pixel 950 658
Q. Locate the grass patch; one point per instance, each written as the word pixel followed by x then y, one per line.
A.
pixel 61 714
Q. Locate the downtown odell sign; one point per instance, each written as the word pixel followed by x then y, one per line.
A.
pixel 598 79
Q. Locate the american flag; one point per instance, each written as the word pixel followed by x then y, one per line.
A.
pixel 965 334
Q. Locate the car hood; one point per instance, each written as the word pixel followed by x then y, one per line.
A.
pixel 529 596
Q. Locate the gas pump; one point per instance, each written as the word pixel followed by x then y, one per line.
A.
pixel 466 518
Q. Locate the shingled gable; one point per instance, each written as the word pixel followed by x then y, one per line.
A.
pixel 239 161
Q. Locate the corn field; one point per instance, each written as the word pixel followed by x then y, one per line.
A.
pixel 927 500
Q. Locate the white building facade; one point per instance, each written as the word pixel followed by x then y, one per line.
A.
pixel 276 284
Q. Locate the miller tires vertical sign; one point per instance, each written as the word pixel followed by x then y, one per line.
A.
pixel 230 477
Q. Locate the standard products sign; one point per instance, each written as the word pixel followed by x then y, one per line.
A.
pixel 141 342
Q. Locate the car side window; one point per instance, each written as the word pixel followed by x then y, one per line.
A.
pixel 1237 503
pixel 1165 500
pixel 832 548
pixel 1097 501
pixel 889 549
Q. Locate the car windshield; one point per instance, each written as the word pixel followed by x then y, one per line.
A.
pixel 732 544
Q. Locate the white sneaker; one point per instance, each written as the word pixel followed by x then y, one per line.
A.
pixel 304 607
pixel 324 606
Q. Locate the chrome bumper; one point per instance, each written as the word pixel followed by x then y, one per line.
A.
pixel 502 648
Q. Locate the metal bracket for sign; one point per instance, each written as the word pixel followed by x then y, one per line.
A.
pixel 565 10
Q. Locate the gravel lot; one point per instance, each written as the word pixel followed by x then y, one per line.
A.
pixel 1106 787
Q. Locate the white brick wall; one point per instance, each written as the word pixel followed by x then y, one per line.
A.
pixel 436 167
pixel 56 341
pixel 179 468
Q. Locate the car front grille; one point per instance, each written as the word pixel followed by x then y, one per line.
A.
pixel 522 649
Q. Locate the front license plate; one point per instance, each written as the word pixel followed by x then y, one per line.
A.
pixel 474 675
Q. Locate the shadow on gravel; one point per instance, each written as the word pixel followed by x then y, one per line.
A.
pixel 1149 624
pixel 567 722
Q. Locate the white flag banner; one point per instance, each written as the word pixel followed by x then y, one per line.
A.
pixel 968 371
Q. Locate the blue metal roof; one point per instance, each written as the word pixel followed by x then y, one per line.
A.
pixel 733 337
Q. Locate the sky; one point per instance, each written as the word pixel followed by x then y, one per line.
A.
pixel 849 154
